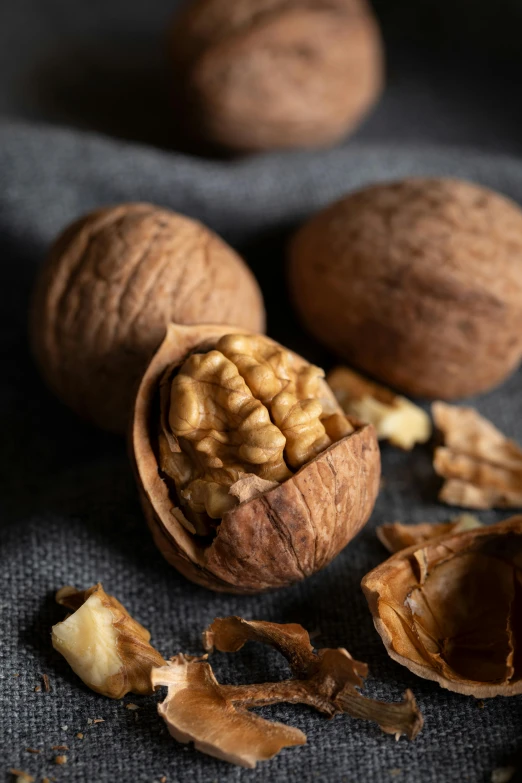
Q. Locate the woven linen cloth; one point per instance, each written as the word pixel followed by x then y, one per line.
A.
pixel 70 513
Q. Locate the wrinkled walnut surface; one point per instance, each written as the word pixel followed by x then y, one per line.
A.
pixel 481 468
pixel 258 74
pixel 217 719
pixel 246 408
pixel 272 532
pixel 112 282
pixel 418 283
pixel 450 609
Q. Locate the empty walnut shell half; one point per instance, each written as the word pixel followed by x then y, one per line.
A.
pixel 450 609
pixel 251 477
pixel 253 75
pixel 112 282
pixel 416 282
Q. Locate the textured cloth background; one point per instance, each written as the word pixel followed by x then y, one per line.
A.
pixel 70 513
pixel 68 506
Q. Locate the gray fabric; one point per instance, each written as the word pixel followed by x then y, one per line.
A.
pixel 70 513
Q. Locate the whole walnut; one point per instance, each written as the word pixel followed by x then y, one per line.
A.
pixel 254 75
pixel 111 284
pixel 417 282
pixel 250 475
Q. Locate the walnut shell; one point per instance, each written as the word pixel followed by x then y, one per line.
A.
pixel 417 282
pixel 275 539
pixel 112 282
pixel 260 74
pixel 448 608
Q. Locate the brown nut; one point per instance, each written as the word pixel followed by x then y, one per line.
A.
pixel 112 282
pixel 250 476
pixel 103 644
pixel 254 75
pixel 418 282
pixel 448 608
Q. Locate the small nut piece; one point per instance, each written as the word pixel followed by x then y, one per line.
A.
pixel 394 417
pixel 480 466
pixel 254 75
pixel 111 284
pixel 418 283
pixel 449 609
pixel 251 475
pixel 103 645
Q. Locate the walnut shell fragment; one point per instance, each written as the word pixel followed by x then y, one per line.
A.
pixel 250 475
pixel 395 418
pixel 216 716
pixel 103 644
pixel 396 536
pixel 112 282
pixel 255 75
pixel 481 467
pixel 417 283
pixel 450 609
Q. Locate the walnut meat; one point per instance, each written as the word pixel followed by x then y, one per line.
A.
pixel 259 74
pixel 419 283
pixel 251 477
pixel 112 282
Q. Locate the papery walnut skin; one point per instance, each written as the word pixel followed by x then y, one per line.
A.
pixel 418 283
pixel 260 74
pixel 112 282
pixel 449 609
pixel 275 539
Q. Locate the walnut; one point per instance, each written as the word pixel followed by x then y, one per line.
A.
pixel 112 282
pixel 449 608
pixel 480 466
pixel 394 417
pixel 216 717
pixel 103 644
pixel 260 74
pixel 418 283
pixel 251 476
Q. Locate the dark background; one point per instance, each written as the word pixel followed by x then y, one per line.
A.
pixel 68 505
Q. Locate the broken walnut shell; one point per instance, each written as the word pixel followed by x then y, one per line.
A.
pixel 416 282
pixel 237 66
pixel 103 644
pixel 449 609
pixel 111 283
pixel 281 523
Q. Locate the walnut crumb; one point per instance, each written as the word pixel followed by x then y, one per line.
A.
pixel 131 706
pixel 60 760
pixel 33 750
pixel 21 776
pixel 163 779
pixel 99 720
pixel 46 683
pixel 37 689
pixel 79 735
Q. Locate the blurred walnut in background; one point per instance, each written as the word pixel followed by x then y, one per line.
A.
pixel 254 75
